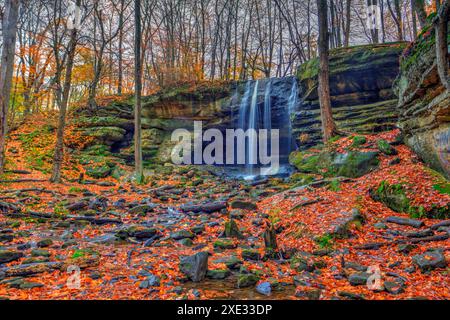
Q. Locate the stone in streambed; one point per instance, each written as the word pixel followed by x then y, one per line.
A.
pixel 218 274
pixel 195 266
pixel 247 280
pixel 359 278
pixel 232 230
pixel 44 243
pixel 430 260
pixel 224 244
pixel 182 234
pixel 9 256
pixel 244 205
pixel 264 288
pixel 248 254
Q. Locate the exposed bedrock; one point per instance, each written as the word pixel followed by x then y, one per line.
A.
pixel 424 104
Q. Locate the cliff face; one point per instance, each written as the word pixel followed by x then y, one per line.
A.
pixel 424 104
pixel 363 101
pixel 362 98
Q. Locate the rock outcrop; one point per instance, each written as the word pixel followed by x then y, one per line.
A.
pixel 362 98
pixel 363 101
pixel 424 104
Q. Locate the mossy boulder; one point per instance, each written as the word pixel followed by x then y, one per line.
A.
pixel 394 196
pixel 247 280
pixel 224 244
pixel 232 230
pixel 218 274
pixel 355 164
pixel 106 135
pixel 352 164
pixel 9 255
pixel 99 171
pixel 386 148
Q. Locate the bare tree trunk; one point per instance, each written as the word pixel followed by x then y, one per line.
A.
pixel 120 67
pixel 328 125
pixel 347 23
pixel 419 8
pixel 397 16
pixel 442 56
pixel 9 30
pixel 58 156
pixel 414 19
pixel 138 92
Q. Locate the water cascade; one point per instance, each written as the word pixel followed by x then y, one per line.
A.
pixel 267 104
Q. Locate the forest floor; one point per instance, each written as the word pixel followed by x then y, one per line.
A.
pixel 128 239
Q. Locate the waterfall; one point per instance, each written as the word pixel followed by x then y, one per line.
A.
pixel 244 106
pixel 266 104
pixel 291 106
pixel 252 145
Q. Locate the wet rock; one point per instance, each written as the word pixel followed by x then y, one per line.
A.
pixel 207 208
pixel 248 254
pixel 244 205
pixel 341 228
pixel 145 233
pixel 44 243
pixel 420 234
pixel 9 256
pixel 224 244
pixel 231 262
pixel 247 280
pixel 186 242
pixel 23 247
pixel 195 266
pixel 430 260
pixel 198 229
pixel 232 230
pixel 218 274
pixel 40 253
pixel 182 234
pixel 264 288
pixel 142 209
pixel 406 248
pixel 405 221
pixel 237 214
pixel 359 278
pixel 355 266
pixel 380 225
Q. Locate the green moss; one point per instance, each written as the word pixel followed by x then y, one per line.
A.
pixel 325 241
pixel 358 141
pixel 443 188
pixel 224 244
pixel 394 197
pixel 386 148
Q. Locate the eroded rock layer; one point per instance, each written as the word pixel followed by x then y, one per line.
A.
pixel 424 104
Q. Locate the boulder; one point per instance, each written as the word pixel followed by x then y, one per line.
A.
pixel 9 255
pixel 195 266
pixel 430 260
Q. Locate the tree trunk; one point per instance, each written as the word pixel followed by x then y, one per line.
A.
pixel 9 30
pixel 419 8
pixel 120 67
pixel 414 20
pixel 328 125
pixel 58 156
pixel 347 23
pixel 442 56
pixel 138 91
